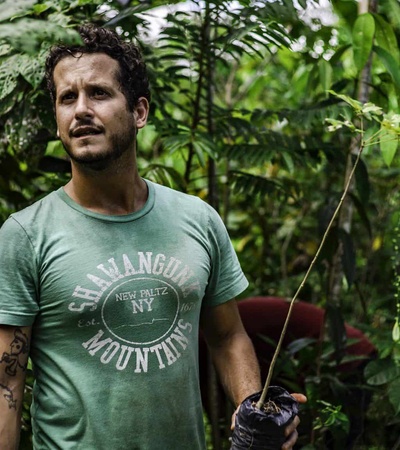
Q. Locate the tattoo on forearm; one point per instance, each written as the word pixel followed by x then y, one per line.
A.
pixel 19 347
pixel 12 404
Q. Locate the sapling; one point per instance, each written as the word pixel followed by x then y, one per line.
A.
pixel 273 401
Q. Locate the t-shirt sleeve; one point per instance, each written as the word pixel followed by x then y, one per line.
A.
pixel 227 279
pixel 18 276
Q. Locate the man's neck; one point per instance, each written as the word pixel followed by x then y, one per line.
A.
pixel 108 192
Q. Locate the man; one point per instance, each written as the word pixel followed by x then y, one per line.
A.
pixel 109 277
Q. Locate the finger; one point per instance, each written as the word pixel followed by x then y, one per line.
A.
pixel 291 441
pixel 289 429
pixel 300 398
pixel 233 418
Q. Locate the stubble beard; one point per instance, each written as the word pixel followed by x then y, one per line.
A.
pixel 100 161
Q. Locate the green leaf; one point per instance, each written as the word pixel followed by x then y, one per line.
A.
pixel 371 111
pixel 396 331
pixel 299 344
pixel 325 74
pixel 361 209
pixel 178 142
pixel 8 75
pixel 32 68
pixel 381 371
pixel 27 35
pixel 168 176
pixel 7 103
pixel 363 36
pixel 199 152
pixel 12 8
pixel 7 85
pixel 385 36
pixel 355 104
pixel 336 330
pixel 362 183
pixel 55 148
pixel 388 144
pixel 348 256
pixel 394 395
pixel 40 8
pixel 390 63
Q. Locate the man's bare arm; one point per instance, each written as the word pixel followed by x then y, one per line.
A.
pixel 14 352
pixel 231 350
pixel 235 360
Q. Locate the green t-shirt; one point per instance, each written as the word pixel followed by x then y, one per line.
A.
pixel 114 302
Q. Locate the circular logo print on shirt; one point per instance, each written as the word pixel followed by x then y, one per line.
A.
pixel 140 310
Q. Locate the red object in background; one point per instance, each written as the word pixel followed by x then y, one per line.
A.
pixel 266 316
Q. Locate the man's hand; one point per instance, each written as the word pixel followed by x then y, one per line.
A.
pixel 290 430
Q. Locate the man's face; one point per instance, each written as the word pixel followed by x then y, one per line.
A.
pixel 93 119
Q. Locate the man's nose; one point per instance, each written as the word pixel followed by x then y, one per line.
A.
pixel 83 107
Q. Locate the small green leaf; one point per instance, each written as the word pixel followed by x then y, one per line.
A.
pixel 396 331
pixel 55 148
pixel 299 344
pixel 371 111
pixel 363 36
pixel 388 144
pixel 391 122
pixel 39 8
pixel 355 104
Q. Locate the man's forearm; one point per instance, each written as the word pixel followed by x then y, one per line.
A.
pixel 14 351
pixel 237 366
pixel 11 398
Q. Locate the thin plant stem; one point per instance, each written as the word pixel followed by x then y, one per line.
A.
pixel 261 401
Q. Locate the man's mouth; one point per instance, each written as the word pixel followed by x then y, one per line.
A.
pixel 85 131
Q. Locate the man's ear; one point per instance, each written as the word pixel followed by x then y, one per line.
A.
pixel 141 112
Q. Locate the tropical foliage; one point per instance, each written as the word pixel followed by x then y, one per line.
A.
pixel 261 108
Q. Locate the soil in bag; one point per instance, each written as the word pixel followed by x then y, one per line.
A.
pixel 263 429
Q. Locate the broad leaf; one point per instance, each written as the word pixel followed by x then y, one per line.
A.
pixel 392 66
pixel 12 8
pixel 363 35
pixel 27 35
pixel 381 371
pixel 362 181
pixel 394 395
pixel 385 36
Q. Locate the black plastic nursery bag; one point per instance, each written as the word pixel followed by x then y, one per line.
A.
pixel 258 429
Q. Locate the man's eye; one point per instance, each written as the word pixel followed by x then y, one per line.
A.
pixel 99 93
pixel 68 97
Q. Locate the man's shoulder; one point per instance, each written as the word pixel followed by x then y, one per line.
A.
pixel 167 194
pixel 41 207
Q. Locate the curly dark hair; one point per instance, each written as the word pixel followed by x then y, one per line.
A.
pixel 132 70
